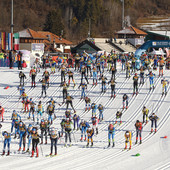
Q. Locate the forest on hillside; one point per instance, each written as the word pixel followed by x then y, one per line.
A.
pixel 73 16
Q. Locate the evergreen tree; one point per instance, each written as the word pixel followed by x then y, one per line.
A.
pixel 54 22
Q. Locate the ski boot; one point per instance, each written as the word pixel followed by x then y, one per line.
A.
pixel 8 153
pixel 81 139
pixel 91 144
pixel 155 130
pixel 23 149
pixel 113 145
pixel 86 109
pixel 89 108
pixel 3 153
pixel 96 131
pixel 126 107
pixel 46 143
pixel 15 136
pixel 109 144
pixel 27 150
pixel 140 141
pixel 129 147
pixel 85 139
pixel 87 144
pixel 136 142
pixel 32 154
pixel 19 149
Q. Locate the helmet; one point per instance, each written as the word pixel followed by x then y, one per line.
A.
pixel 144 107
pixel 51 98
pixel 30 99
pixel 14 111
pixel 34 130
pixel 20 123
pixel 5 133
pixel 136 74
pixel 137 121
pixel 42 120
pixel 68 94
pixel 39 102
pixel 29 126
pixel 20 71
pixel 50 103
pixel 88 128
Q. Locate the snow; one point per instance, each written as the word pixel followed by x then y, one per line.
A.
pixel 154 150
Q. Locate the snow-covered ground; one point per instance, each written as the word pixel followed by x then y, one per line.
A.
pixel 154 150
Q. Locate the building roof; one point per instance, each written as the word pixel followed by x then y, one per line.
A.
pixel 86 42
pixel 29 33
pixel 131 30
pixel 162 33
pixel 51 38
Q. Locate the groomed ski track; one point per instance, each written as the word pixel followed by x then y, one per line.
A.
pixel 154 150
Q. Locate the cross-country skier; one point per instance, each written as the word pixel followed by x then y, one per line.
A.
pixel 29 136
pixel 22 76
pixel 112 83
pixel 103 78
pixel 164 83
pixel 95 122
pixel 40 111
pixel 33 75
pixel 76 119
pixel 87 101
pixel 153 119
pixel 101 109
pixel 63 72
pixel 161 65
pixel 68 130
pixel 68 114
pixel 94 75
pixel 22 134
pixel 145 112
pixel 7 141
pixel 65 86
pixel 139 127
pixel 54 136
pixel 111 133
pixel 69 101
pixel 118 116
pixel 94 109
pixel 43 128
pixel 43 81
pixel 2 110
pixel 127 65
pixel 32 109
pixel 16 126
pixel 90 133
pixel 83 74
pixel 35 141
pixel 135 84
pixel 70 76
pixel 151 79
pixel 50 112
pixel 46 75
pixel 77 59
pixel 83 127
pixel 15 116
pixel 83 87
pixel 141 75
pixel 125 99
pixel 128 138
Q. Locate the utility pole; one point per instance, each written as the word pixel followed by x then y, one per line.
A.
pixel 12 13
pixel 89 28
pixel 123 13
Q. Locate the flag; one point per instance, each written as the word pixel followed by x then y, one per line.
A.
pixel 16 41
pixel 3 40
pixel 6 40
pixel 10 41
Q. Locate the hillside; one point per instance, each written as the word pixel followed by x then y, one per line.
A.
pixel 72 16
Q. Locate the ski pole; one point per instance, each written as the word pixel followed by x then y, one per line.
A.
pixel 74 137
pixel 41 151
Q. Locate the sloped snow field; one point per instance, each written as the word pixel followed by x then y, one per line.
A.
pixel 154 150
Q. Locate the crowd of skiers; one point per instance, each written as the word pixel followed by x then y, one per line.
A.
pixel 89 67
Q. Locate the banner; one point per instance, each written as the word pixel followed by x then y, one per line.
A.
pixel 0 41
pixel 10 41
pixel 3 40
pixel 16 41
